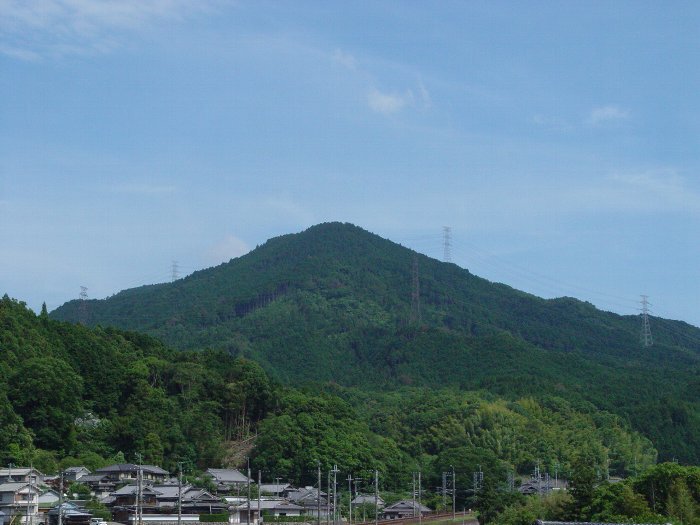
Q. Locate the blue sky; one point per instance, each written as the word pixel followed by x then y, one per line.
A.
pixel 559 140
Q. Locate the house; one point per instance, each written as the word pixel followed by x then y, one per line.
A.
pixel 227 479
pixel 74 474
pixel 15 474
pixel 163 499
pixel 269 507
pixel 306 496
pixel 128 471
pixel 405 508
pixel 48 499
pixel 280 490
pixel 19 499
pixel 367 499
pixel 105 480
pixel 71 514
pixel 101 485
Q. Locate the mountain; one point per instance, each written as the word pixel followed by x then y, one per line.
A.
pixel 72 395
pixel 334 304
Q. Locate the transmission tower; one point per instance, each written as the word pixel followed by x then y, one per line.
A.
pixel 174 272
pixel 646 338
pixel 82 308
pixel 447 244
pixel 415 294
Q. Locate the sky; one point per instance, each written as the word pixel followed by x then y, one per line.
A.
pixel 559 141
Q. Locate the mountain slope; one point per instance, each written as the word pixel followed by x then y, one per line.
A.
pixel 333 303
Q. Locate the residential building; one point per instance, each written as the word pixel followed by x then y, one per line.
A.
pixel 74 474
pixel 71 514
pixel 19 499
pixel 404 509
pixel 227 479
pixel 15 474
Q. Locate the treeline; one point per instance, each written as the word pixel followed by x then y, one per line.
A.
pixel 665 493
pixel 73 395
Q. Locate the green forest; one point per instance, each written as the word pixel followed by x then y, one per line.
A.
pixel 74 395
pixel 332 306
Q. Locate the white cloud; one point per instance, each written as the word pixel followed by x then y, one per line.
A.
pixel 41 28
pixel 345 59
pixel 228 248
pixel 387 103
pixel 607 114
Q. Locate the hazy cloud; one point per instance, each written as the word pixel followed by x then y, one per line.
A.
pixel 387 103
pixel 228 248
pixel 606 114
pixel 39 28
pixel 344 59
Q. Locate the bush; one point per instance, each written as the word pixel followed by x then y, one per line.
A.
pixel 208 518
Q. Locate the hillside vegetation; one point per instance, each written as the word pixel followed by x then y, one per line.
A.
pixel 333 304
pixel 76 395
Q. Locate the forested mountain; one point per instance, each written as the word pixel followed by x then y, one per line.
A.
pixel 73 395
pixel 333 304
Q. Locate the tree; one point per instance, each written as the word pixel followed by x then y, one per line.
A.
pixel 581 488
pixel 47 392
pixel 681 504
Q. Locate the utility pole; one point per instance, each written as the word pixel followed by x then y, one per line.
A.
pixel 350 498
pixel 646 338
pixel 356 482
pixel 259 507
pixel 376 496
pixel 446 244
pixel 335 493
pixel 247 518
pixel 60 500
pixel 179 493
pixel 29 496
pixel 454 494
pixel 415 293
pixel 328 500
pixel 318 496
pixel 420 505
pixel 174 272
pixel 139 490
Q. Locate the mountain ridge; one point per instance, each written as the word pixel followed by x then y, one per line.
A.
pixel 333 303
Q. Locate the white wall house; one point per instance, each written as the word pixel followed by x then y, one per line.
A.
pixel 20 502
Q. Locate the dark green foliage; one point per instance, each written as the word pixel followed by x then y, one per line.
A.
pixel 332 304
pixel 212 518
pixel 47 392
pixel 198 407
pixel 623 502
